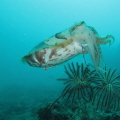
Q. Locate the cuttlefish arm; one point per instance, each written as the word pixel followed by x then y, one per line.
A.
pixel 95 53
pixel 105 40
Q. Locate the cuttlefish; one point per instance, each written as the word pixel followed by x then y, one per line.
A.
pixel 63 46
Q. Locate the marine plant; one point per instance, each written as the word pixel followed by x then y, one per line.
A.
pixel 78 82
pixel 107 90
pixel 99 89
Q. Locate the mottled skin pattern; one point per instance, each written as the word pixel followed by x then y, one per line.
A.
pixel 78 39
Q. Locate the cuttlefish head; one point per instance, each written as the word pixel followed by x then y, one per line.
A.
pixel 87 37
pixel 93 48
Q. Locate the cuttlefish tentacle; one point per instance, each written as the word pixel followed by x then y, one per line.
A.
pixel 109 39
pixel 105 40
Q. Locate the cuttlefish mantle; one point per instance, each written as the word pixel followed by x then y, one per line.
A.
pixel 63 46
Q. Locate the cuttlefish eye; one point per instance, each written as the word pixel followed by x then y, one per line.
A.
pixel 81 23
pixel 76 26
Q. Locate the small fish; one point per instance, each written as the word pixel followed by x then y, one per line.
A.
pixel 63 46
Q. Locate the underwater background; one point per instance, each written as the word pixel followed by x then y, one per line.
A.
pixel 26 23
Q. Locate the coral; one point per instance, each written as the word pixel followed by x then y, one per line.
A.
pixel 101 88
pixel 79 110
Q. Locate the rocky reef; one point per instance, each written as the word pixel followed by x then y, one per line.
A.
pixel 88 95
pixel 80 110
